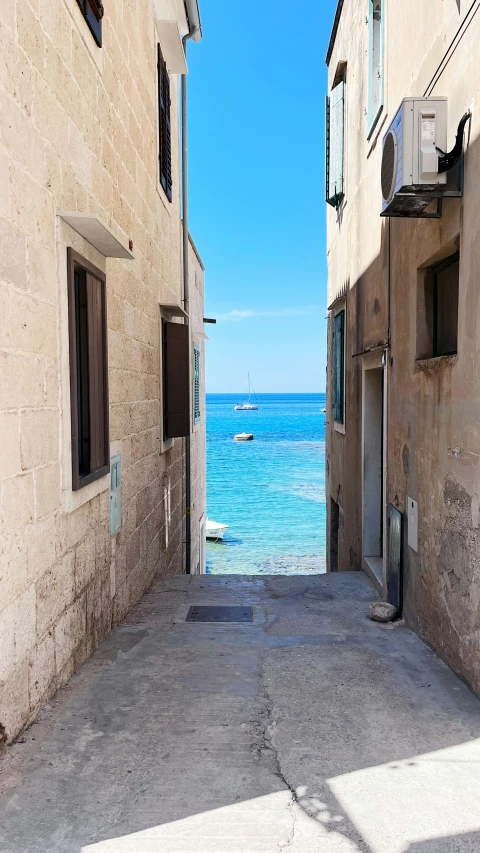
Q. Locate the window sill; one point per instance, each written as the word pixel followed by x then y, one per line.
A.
pixel 338 427
pixel 73 500
pixel 435 363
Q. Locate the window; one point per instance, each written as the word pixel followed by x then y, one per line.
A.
pixel 196 383
pixel 164 130
pixel 88 370
pixel 375 62
pixel 335 145
pixel 93 13
pixel 338 366
pixel 437 318
pixel 175 376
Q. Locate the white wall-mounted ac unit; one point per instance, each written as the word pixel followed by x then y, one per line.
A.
pixel 409 177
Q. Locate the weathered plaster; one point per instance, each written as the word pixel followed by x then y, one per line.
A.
pixel 433 413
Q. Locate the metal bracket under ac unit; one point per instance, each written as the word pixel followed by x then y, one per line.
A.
pixel 425 202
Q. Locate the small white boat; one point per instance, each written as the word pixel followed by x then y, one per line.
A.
pixel 243 436
pixel 248 406
pixel 213 530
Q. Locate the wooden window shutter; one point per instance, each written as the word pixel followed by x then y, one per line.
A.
pixel 196 384
pixel 164 126
pixel 335 145
pixel 88 371
pixel 176 379
pixel 338 366
pixel 93 12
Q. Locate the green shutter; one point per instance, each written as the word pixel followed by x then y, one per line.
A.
pixel 338 366
pixel 376 13
pixel 335 145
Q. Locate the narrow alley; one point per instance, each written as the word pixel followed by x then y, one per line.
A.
pixel 310 730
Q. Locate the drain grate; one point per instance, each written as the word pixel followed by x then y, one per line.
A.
pixel 210 613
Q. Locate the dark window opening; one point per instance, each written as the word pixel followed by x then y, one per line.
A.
pixel 88 371
pixel 437 309
pixel 93 12
pixel 164 126
pixel 445 306
pixel 81 316
pixel 339 367
pixel 175 380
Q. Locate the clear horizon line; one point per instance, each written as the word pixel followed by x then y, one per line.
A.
pixel 259 393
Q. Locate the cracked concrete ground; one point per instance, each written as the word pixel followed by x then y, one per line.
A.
pixel 311 730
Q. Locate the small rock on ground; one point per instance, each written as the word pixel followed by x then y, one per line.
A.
pixel 381 611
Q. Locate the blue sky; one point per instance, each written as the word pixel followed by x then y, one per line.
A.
pixel 257 210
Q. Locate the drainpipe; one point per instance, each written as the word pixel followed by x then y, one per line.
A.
pixel 195 33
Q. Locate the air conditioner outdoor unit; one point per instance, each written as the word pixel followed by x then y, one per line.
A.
pixel 410 162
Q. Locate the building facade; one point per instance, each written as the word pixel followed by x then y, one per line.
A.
pixel 199 419
pixel 403 442
pixel 95 397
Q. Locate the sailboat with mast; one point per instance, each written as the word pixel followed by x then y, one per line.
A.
pixel 248 406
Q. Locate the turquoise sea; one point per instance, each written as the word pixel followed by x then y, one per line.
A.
pixel 270 491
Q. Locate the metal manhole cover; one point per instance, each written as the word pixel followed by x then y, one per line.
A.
pixel 210 613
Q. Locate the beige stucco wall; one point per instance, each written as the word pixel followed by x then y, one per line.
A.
pixel 433 410
pixel 78 131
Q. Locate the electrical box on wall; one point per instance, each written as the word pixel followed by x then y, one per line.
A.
pixel 115 495
pixel 412 515
pixel 410 173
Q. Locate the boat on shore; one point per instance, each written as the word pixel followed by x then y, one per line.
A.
pixel 243 436
pixel 248 406
pixel 214 530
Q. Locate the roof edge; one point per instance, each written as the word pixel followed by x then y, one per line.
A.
pixel 333 34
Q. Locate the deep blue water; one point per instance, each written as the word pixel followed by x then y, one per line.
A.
pixel 270 491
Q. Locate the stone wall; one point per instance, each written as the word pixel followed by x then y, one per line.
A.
pixel 432 412
pixel 78 132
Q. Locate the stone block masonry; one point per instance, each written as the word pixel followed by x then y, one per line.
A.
pixel 79 132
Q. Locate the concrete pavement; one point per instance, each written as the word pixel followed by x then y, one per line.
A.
pixel 311 730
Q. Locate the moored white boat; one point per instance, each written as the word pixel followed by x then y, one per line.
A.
pixel 248 406
pixel 243 436
pixel 214 530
